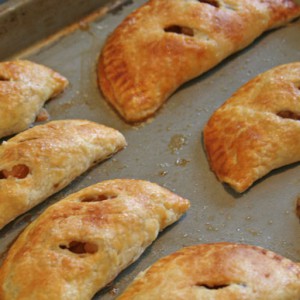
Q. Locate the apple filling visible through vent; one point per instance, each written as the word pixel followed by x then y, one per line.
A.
pixel 214 3
pixel 18 171
pixel 180 30
pixel 100 197
pixel 286 114
pixel 80 247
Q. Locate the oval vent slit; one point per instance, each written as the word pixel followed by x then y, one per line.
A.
pixel 214 3
pixel 286 114
pixel 80 247
pixel 213 287
pixel 180 30
pixel 17 171
pixel 100 197
pixel 219 286
pixel 2 78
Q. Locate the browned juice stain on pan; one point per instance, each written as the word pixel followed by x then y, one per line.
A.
pixel 176 143
pixel 181 162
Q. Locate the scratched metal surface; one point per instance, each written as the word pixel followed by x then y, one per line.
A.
pixel 169 149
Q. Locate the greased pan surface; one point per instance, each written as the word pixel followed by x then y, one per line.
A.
pixel 169 150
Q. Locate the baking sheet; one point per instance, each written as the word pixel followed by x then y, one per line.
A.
pixel 169 150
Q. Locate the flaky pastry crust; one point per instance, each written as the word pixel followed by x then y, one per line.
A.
pixel 80 244
pixel 24 88
pixel 165 43
pixel 41 161
pixel 221 271
pixel 257 129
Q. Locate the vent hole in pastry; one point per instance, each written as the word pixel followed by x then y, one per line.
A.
pixel 100 197
pixel 180 30
pixel 286 114
pixel 2 78
pixel 80 247
pixel 214 3
pixel 218 286
pixel 18 171
pixel 214 287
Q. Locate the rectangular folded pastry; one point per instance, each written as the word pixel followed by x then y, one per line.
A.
pixel 165 43
pixel 42 160
pixel 24 88
pixel 81 243
pixel 220 271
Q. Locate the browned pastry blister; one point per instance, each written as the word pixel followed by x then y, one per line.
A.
pixel 165 43
pixel 42 160
pixel 221 271
pixel 257 129
pixel 24 88
pixel 81 243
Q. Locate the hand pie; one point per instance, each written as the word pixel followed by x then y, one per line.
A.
pixel 80 244
pixel 24 88
pixel 41 161
pixel 165 43
pixel 257 129
pixel 221 271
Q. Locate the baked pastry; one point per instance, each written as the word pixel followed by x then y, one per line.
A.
pixel 257 129
pixel 41 161
pixel 165 43
pixel 221 271
pixel 80 244
pixel 24 88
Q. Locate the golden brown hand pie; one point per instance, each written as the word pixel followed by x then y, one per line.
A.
pixel 165 43
pixel 221 271
pixel 41 161
pixel 24 88
pixel 80 244
pixel 257 129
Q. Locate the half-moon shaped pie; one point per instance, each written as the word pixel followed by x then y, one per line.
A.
pixel 165 43
pixel 80 244
pixel 221 271
pixel 257 129
pixel 24 88
pixel 41 161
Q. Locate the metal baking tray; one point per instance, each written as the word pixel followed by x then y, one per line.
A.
pixel 167 150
